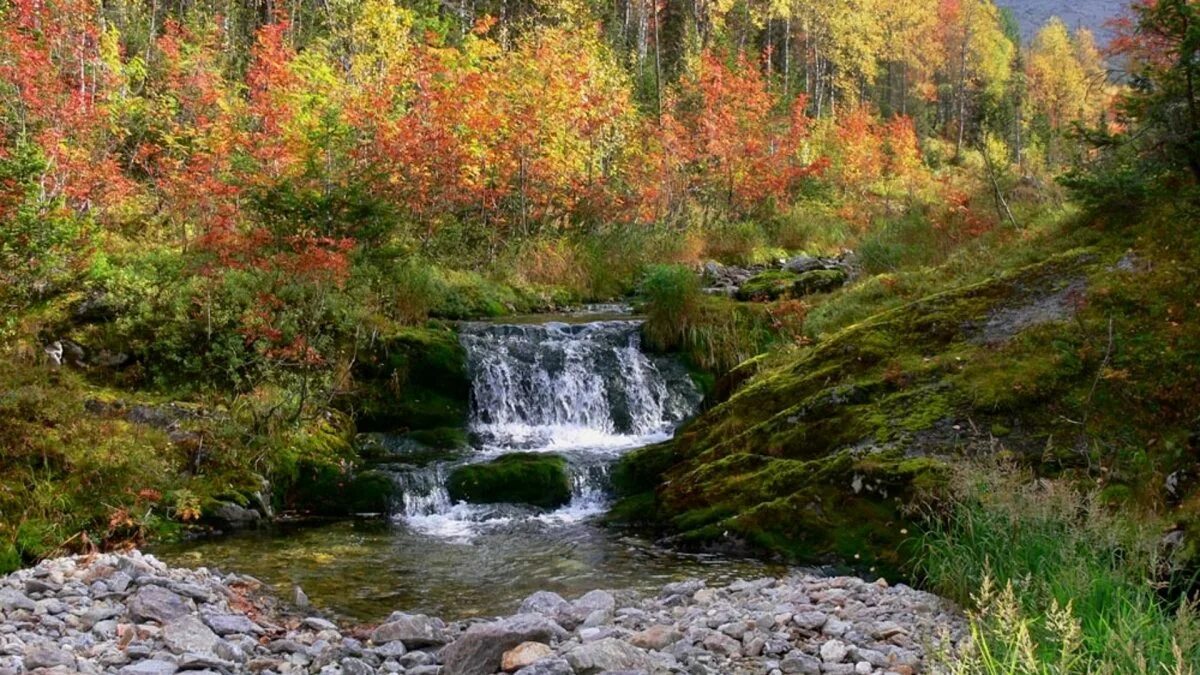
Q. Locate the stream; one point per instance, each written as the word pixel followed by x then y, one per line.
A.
pixel 579 386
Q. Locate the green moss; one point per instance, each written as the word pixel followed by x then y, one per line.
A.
pixel 818 281
pixel 518 478
pixel 414 379
pixel 769 285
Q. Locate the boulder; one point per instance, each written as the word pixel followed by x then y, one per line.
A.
pixel 414 630
pixel 657 637
pixel 607 654
pixel 535 479
pixel 189 635
pixel 480 650
pixel 155 603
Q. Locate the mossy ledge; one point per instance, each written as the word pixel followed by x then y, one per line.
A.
pixel 519 478
pixel 825 452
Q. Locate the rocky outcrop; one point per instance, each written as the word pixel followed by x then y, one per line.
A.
pixel 130 614
pixel 794 277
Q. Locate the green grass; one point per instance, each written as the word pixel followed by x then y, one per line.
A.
pixel 1056 581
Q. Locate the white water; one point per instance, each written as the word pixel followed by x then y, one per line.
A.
pixel 585 391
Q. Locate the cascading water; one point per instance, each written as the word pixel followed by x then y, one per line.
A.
pixel 585 391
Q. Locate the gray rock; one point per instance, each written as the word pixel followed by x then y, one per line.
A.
pixel 47 656
pixel 229 624
pixel 11 599
pixel 236 515
pixel 149 667
pixel 551 666
pixel 834 651
pixel 800 663
pixel 155 603
pixel 595 601
pixel 478 650
pixel 414 630
pixel 188 634
pixel 552 605
pixel 810 620
pixel 607 654
pixel 354 666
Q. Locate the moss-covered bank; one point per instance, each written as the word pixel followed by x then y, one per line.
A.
pixel 824 451
pixel 518 478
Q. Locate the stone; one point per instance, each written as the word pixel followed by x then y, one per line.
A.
pixel 47 656
pixel 523 655
pixel 155 603
pixel 656 637
pixel 149 667
pixel 595 601
pixel 834 651
pixel 479 650
pixel 188 634
pixel 356 666
pixel 863 668
pixel 800 664
pixel 835 627
pixel 548 667
pixel 11 599
pixel 810 620
pixel 720 643
pixel 317 623
pixel 414 630
pixel 607 654
pixel 229 624
pixel 235 515
pixel 553 606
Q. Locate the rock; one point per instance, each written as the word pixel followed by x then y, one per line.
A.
pixel 656 637
pixel 834 651
pixel 47 656
pixel 720 643
pixel 11 599
pixel 188 634
pixel 300 598
pixel 549 605
pixel 523 655
pixel 533 478
pixel 607 654
pixel 479 650
pixel 228 624
pixel 414 630
pixel 595 601
pixel 149 667
pixel 155 603
pixel 356 666
pixel 810 620
pixel 317 623
pixel 548 667
pixel 800 663
pixel 235 515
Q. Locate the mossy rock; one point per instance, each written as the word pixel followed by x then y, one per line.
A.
pixel 332 490
pixel 768 285
pixel 414 379
pixel 519 478
pixel 818 281
pixel 418 448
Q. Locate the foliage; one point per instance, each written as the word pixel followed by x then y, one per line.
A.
pixel 1059 583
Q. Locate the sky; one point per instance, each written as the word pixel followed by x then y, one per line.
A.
pixel 1076 13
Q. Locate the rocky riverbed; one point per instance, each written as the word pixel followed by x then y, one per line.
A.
pixel 133 615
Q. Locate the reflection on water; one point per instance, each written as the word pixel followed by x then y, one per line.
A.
pixel 363 570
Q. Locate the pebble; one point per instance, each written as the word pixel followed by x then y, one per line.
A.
pixel 130 614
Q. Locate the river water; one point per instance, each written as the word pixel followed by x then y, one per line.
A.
pixel 577 386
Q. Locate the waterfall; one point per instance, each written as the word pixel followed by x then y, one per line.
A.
pixel 585 391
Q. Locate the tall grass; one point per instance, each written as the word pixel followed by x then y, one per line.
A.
pixel 713 333
pixel 1056 582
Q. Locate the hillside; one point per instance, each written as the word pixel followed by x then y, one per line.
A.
pixel 1090 14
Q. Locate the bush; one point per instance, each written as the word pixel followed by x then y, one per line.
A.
pixel 1076 581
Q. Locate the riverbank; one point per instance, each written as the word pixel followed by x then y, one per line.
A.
pixel 132 614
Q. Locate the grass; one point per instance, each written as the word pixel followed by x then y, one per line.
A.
pixel 1056 581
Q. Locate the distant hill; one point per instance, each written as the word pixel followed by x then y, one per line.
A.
pixel 1076 13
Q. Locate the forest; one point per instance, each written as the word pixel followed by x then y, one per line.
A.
pixel 237 236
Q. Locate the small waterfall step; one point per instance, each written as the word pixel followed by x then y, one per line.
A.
pixel 586 391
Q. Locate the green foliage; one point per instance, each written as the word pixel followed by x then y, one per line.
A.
pixel 516 478
pixel 1078 579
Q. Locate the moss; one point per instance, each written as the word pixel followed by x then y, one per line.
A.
pixel 517 478
pixel 818 281
pixel 414 379
pixel 769 285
